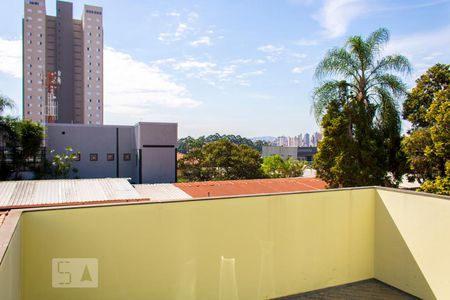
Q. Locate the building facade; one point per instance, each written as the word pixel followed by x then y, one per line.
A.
pixel 62 64
pixel 146 152
pixel 300 153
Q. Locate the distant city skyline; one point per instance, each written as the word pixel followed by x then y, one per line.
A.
pixel 231 67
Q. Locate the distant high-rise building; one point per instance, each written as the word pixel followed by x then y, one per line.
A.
pixel 318 137
pixel 300 140
pixel 62 64
pixel 306 140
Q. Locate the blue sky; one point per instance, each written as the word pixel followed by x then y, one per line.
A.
pixel 232 66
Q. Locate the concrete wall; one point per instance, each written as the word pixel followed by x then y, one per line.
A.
pixel 301 153
pixel 246 248
pixel 10 265
pixel 89 140
pixel 155 142
pixel 284 152
pixel 412 243
pixel 64 61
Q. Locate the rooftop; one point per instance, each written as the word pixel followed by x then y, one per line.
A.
pixel 253 247
pixel 39 193
pixel 250 187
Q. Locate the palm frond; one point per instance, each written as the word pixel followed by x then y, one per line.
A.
pixel 337 62
pixel 377 39
pixel 326 93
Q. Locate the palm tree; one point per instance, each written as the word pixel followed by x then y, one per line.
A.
pixel 358 71
pixel 5 103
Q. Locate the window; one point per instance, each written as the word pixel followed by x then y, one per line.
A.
pixel 93 157
pixel 127 156
pixel 110 157
pixel 77 157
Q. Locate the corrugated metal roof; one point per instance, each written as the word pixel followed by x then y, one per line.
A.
pixel 34 193
pixel 250 187
pixel 161 192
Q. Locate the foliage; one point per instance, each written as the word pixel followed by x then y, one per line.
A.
pixel 221 160
pixel 428 144
pixel 415 107
pixel 30 137
pixel 61 163
pixel 275 167
pixel 5 102
pixel 359 113
pixel 22 141
pixel 188 143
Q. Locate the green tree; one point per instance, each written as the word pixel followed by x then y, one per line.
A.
pixel 22 141
pixel 428 144
pixel 275 167
pixel 5 103
pixel 62 163
pixel 416 105
pixel 221 160
pixel 189 143
pixel 356 103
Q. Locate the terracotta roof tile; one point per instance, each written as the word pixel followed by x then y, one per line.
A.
pixel 250 187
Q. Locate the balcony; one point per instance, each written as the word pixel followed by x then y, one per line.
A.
pixel 256 247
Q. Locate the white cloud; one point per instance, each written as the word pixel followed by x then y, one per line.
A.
pixel 180 33
pixel 423 49
pixel 134 87
pixel 299 70
pixel 336 15
pixel 202 41
pixel 174 14
pixel 11 57
pixel 301 2
pixel 307 42
pixel 271 49
pixel 193 64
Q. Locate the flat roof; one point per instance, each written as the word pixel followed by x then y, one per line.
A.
pixel 37 193
pixel 161 192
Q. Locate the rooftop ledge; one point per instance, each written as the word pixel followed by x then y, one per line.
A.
pixel 249 247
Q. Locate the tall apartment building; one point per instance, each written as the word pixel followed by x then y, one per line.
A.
pixel 62 64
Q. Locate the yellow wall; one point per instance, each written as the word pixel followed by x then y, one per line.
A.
pixel 412 243
pixel 10 287
pixel 243 248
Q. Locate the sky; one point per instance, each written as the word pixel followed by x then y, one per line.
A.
pixel 231 66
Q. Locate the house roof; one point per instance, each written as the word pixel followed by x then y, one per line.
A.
pixel 161 192
pixel 37 193
pixel 250 187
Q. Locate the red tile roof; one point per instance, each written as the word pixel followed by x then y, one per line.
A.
pixel 250 187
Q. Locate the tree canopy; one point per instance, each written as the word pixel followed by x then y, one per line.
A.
pixel 357 106
pixel 221 160
pixel 188 143
pixel 428 144
pixel 275 166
